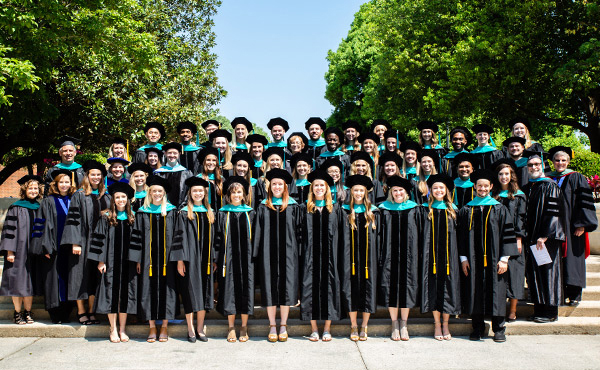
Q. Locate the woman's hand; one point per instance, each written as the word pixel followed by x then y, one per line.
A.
pixel 138 267
pixel 541 243
pixel 181 268
pixel 579 231
pixel 502 267
pixel 520 245
pixel 101 267
pixel 10 256
pixel 76 249
pixel 466 268
pixel 47 255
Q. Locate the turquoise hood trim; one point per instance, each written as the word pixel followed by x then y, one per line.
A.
pixel 302 182
pixel 504 193
pixel 211 176
pixel 390 206
pixel 358 208
pixel 140 194
pixel 156 209
pixel 27 204
pixel 521 162
pixel 190 148
pixel 157 146
pixel 458 182
pixel 487 201
pixel 438 204
pixel 483 149
pixel 70 167
pixel 411 171
pixel 316 143
pixel 540 179
pixel 232 208
pixel 279 201
pixel 253 181
pixel 280 144
pixel 327 153
pixel 177 168
pixel 559 174
pixel 454 153
pixel 122 216
pixel 436 147
pixel 258 163
pixel 200 209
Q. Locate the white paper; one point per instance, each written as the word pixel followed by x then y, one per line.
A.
pixel 542 257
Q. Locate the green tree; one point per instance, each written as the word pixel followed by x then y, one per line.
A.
pixel 98 69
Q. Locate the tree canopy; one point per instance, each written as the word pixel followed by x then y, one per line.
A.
pixel 95 70
pixel 471 61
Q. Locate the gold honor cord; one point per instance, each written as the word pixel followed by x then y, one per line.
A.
pixel 352 237
pixel 225 245
pixel 165 246
pixel 433 239
pixel 209 242
pixel 485 238
pixel 447 249
pixel 127 149
pixel 249 228
pixel 150 254
pixel 367 254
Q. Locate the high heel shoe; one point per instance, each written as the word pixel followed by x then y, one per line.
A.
pixel 231 338
pixel 283 337
pixel 244 334
pixel 363 333
pixel 152 335
pixel 446 336
pixel 164 335
pixel 354 333
pixel 272 336
pixel 438 337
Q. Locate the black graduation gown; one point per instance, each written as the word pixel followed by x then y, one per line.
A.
pixel 486 159
pixel 326 266
pixel 176 179
pixel 579 211
pixel 399 261
pixel 21 278
pixel 440 291
pixel 299 193
pixel 77 177
pixel 151 243
pixel 363 245
pixel 315 151
pixel 484 290
pixel 139 156
pixel 83 216
pixel 545 218
pixel 415 194
pixel 462 196
pixel 277 238
pixel 450 167
pixel 189 160
pixel 117 287
pixel 377 195
pixel 344 158
pixel 136 203
pixel 516 264
pixel 215 200
pixel 235 266
pixel 194 245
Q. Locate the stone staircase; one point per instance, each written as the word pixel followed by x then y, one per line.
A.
pixel 584 319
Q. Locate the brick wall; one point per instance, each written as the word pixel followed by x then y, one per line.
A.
pixel 10 188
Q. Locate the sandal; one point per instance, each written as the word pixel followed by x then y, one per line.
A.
pixel 272 337
pixel 363 333
pixel 395 336
pixel 326 336
pixel 231 338
pixel 114 336
pixel 283 337
pixel 124 337
pixel 438 337
pixel 84 322
pixel 244 334
pixel 18 317
pixel 28 317
pixel 404 330
pixel 354 333
pixel 314 336
pixel 164 335
pixel 152 335
pixel 94 321
pixel 447 336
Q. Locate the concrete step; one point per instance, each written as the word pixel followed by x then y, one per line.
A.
pixel 593 279
pixel 592 264
pixel 259 328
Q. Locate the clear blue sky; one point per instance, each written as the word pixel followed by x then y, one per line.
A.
pixel 271 56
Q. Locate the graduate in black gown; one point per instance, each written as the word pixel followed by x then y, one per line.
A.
pixel 315 126
pixel 333 140
pixel 521 127
pixel 391 165
pixel 369 143
pixel 138 173
pixel 301 164
pixel 393 140
pixel 174 173
pixel 193 251
pixel 351 133
pixel 241 128
pixel 21 277
pixel 117 288
pixel 297 142
pixel 580 219
pixel 429 140
pixel 379 127
pixel 55 261
pixel 362 164
pixel 154 157
pixel 276 249
pixel 440 263
pixel 485 153
pixel 211 172
pixel 335 169
pixel 410 164
pixel 279 127
pixel 67 150
pixel 154 131
pixel 427 167
pixel 151 244
pixel 515 151
pixel 460 138
pixel 84 213
pixel 235 265
pixel 190 149
pixel 486 240
pixel 209 126
pixel 463 191
pixel 117 171
pixel 242 166
pixel 360 231
pixel 324 260
pixel 399 254
pixel 258 145
pixel 508 193
pixel 545 229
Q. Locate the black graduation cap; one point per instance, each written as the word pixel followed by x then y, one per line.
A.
pixel 172 145
pixel 360 155
pixel 113 160
pixel 274 150
pixel 94 165
pixel 463 130
pixel 506 161
pixel 26 178
pixel 209 122
pixel 332 162
pixel 236 180
pixel 368 136
pixel 61 171
pixel 242 156
pixel 315 121
pixel 242 121
pixel 336 131
pixel 301 136
pixel 514 139
pixel 390 157
pixel 395 134
pixel 187 125
pixel 406 184
pixel 157 126
pixel 278 173
pixel 121 187
pixel 483 174
pixel 410 145
pixel 482 127
pixel 379 122
pixel 560 148
pixel 427 125
pixel 67 140
pixel 465 157
pixel 206 152
pixel 359 180
pixel 278 122
pixel 158 181
pixel 139 167
pixel 257 138
pixel 431 153
pixel 443 178
pixel 301 157
pixel 196 181
pixel 522 120
pixel 220 133
pixel 119 140
pixel 351 124
pixel 153 149
pixel 320 175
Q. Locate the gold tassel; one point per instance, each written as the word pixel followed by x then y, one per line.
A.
pixel 225 245
pixel 367 254
pixel 485 239
pixel 433 240
pixel 150 254
pixel 165 245
pixel 352 237
pixel 127 149
pixel 447 250
pixel 150 270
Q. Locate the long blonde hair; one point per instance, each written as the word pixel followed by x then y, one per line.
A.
pixel 53 189
pixel 218 182
pixel 422 185
pixel 148 200
pixel 404 167
pixel 132 182
pixel 248 178
pixel 434 140
pixel 447 201
pixel 190 206
pixel 234 141
pixel 228 154
pixel 111 213
pixel 369 174
pixel 310 203
pixel 285 198
pixel 527 136
pixel 87 187
pixel 369 216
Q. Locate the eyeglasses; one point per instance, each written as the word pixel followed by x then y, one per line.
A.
pixel 534 164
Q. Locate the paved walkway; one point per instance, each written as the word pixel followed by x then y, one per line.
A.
pixel 519 352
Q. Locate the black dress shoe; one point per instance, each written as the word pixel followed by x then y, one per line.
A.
pixel 475 335
pixel 543 320
pixel 201 337
pixel 531 318
pixel 499 337
pixel 508 319
pixel 192 339
pixel 573 303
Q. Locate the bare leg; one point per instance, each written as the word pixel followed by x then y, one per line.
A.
pixel 445 326
pixel 437 334
pixel 231 320
pixel 28 303
pixel 284 311
pixel 91 307
pixel 393 313
pixel 231 337
pixel 152 335
pixel 403 327
pixel 200 315
pixel 353 316
pixel 164 333
pixel 272 314
pixel 244 320
pixel 353 326
pixel 81 311
pixel 327 326
pixel 18 302
pixel 404 313
pixel 189 318
pixel 114 335
pixel 122 323
pixel 513 308
pixel 313 326
pixel 395 327
pixel 365 319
